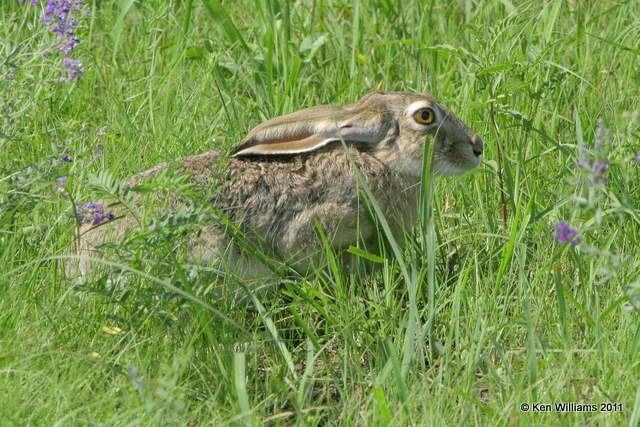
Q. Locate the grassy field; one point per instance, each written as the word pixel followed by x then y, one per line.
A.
pixel 486 311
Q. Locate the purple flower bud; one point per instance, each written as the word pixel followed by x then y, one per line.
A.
pixel 62 180
pixel 601 166
pixel 70 45
pixel 49 10
pixel 566 234
pixel 67 159
pixel 74 68
pixel 594 163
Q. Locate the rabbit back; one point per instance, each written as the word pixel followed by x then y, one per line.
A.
pixel 280 200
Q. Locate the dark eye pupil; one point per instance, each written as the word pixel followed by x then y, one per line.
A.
pixel 426 115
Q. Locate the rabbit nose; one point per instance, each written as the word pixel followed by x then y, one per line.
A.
pixel 477 145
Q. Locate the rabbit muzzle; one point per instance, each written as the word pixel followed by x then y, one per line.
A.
pixel 457 149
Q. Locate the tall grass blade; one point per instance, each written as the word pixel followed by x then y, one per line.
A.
pixel 552 17
pixel 525 290
pixel 240 383
pixel 124 6
pixel 562 307
pixel 634 420
pixel 271 327
pixel 428 240
pixel 403 390
pixel 186 18
pixel 218 13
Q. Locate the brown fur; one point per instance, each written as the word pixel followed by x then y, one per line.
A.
pixel 276 199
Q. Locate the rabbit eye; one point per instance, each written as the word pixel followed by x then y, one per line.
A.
pixel 424 116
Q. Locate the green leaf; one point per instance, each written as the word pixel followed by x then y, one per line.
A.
pixel 365 255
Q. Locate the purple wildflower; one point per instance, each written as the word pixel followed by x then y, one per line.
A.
pixel 638 157
pixel 93 213
pixel 566 234
pixel 58 15
pixel 62 180
pixel 67 159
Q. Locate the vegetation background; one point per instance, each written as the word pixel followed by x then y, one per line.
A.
pixel 497 314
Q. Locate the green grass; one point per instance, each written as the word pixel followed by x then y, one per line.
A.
pixel 496 315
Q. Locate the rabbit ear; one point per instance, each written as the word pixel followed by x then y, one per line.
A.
pixel 312 128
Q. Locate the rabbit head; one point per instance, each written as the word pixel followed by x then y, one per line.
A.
pixel 392 126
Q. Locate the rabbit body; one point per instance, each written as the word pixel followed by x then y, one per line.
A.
pixel 299 170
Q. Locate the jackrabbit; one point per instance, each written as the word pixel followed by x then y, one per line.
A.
pixel 297 170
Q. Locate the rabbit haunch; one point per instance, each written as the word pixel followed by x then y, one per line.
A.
pixel 297 170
